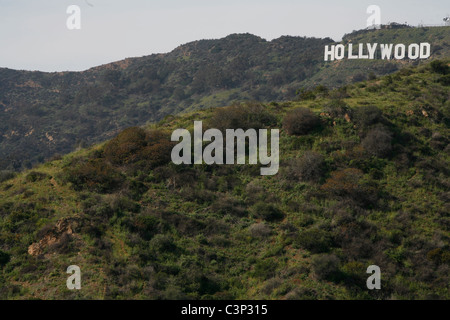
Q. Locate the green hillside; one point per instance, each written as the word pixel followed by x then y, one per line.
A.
pixel 347 71
pixel 44 114
pixel 363 180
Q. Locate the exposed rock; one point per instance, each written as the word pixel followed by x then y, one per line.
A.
pixel 347 118
pixel 53 236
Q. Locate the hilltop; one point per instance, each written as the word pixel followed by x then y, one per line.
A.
pixel 45 114
pixel 363 180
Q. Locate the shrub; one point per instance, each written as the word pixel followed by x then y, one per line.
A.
pixel 95 175
pixel 326 266
pixel 6 175
pixel 440 67
pixel 34 176
pixel 314 240
pixel 302 293
pixel 344 182
pixel 271 285
pixel 157 151
pixel 355 274
pixel 359 77
pixel 229 205
pixel 137 147
pixel 267 212
pixel 310 167
pixel 254 192
pixel 4 258
pixel 242 116
pixel 337 108
pixel 300 121
pixel 349 183
pixel 444 80
pixel 265 269
pixel 367 115
pixel 378 142
pixel 437 255
pixel 260 230
pixel 64 245
pixel 136 189
pixel 304 94
pixel 145 225
pixel 162 243
pixel 124 148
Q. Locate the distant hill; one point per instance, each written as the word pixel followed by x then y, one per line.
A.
pixel 43 114
pixel 363 180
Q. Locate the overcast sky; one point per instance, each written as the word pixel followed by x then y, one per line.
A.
pixel 34 35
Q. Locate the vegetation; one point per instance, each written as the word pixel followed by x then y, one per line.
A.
pixel 141 227
pixel 46 114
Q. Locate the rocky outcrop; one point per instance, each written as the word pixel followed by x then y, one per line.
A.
pixel 62 229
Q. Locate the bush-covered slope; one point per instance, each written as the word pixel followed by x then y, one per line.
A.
pixel 347 71
pixel 363 180
pixel 42 114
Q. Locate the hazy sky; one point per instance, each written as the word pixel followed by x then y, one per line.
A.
pixel 34 35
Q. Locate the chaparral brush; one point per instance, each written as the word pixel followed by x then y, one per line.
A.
pixel 213 153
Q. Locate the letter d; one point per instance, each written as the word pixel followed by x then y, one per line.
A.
pixel 425 50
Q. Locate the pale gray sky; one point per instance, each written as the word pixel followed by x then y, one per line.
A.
pixel 34 36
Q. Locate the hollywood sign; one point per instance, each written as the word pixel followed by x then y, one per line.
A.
pixel 375 51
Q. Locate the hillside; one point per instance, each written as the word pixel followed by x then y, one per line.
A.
pixel 44 114
pixel 364 179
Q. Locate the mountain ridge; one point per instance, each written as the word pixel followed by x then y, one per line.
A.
pixel 80 108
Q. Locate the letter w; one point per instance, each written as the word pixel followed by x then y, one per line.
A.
pixel 386 51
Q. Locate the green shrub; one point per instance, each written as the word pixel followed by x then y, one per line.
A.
pixel 136 189
pixel 344 182
pixel 229 205
pixel 315 240
pixel 145 225
pixel 337 108
pixel 440 67
pixel 378 142
pixel 300 121
pixel 326 266
pixel 439 256
pixel 6 175
pixel 162 243
pixel 445 80
pixel 139 148
pixel 34 176
pixel 242 116
pixel 267 212
pixel 367 115
pixel 94 175
pixel 349 183
pixel 4 258
pixel 124 148
pixel 355 274
pixel 260 230
pixel 265 269
pixel 310 167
